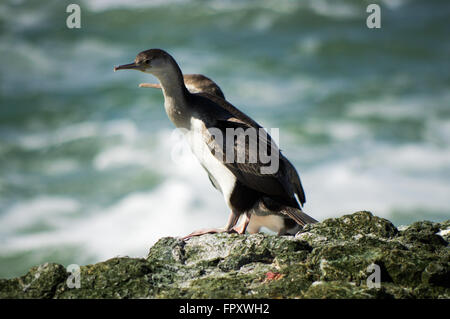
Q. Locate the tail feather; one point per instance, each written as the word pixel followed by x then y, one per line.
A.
pixel 298 215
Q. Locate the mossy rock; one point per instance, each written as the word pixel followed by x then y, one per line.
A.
pixel 347 228
pixel 115 278
pixel 40 282
pixel 329 259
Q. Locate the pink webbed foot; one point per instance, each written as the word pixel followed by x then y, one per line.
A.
pixel 208 231
pixel 229 228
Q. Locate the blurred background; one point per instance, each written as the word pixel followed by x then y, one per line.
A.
pixel 85 155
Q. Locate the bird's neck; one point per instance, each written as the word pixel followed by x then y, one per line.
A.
pixel 175 95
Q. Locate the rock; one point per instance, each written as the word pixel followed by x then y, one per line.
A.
pixel 115 278
pixel 40 282
pixel 444 230
pixel 330 259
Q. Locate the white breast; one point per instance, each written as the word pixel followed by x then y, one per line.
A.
pixel 221 174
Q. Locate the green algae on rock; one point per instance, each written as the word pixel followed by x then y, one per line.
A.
pixel 40 282
pixel 329 259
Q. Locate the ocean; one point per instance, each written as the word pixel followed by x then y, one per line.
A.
pixel 87 165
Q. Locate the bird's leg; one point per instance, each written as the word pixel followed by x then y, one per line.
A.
pixel 150 85
pixel 229 228
pixel 240 229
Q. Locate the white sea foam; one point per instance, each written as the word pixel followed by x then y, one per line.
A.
pixel 61 76
pixel 334 9
pixel 183 203
pixel 415 158
pixel 101 5
pixel 37 210
pixel 339 130
pixel 388 107
pixel 266 93
pixel 122 155
pixel 374 180
pixel 125 129
pixel 128 227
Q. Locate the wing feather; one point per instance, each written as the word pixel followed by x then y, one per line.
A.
pixel 284 183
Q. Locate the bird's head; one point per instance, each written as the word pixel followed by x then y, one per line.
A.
pixel 153 61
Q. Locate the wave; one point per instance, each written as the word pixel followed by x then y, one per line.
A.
pixel 128 227
pixel 42 210
pixel 125 129
pixel 323 7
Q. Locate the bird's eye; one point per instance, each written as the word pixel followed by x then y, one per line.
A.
pixel 147 61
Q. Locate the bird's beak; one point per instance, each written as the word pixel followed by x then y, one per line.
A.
pixel 150 85
pixel 129 66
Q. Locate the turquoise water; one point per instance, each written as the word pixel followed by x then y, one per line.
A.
pixel 86 171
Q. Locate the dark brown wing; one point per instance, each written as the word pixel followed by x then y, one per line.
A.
pixel 230 109
pixel 294 179
pixel 284 183
pixel 240 152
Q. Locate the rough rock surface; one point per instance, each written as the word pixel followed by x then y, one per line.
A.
pixel 329 259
